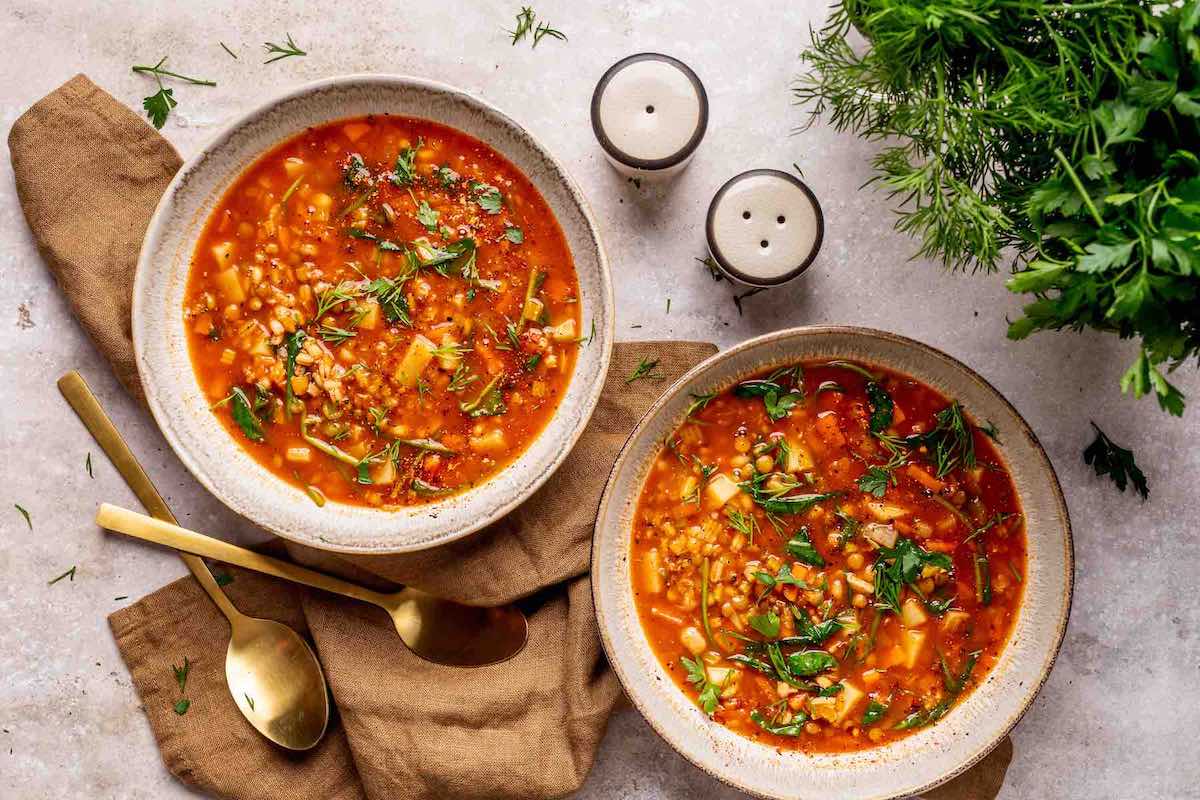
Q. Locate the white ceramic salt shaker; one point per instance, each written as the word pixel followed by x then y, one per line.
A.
pixel 649 112
pixel 764 227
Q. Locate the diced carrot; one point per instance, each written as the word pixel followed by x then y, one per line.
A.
pixel 828 426
pixel 355 130
pixel 924 478
pixel 939 546
pixel 204 324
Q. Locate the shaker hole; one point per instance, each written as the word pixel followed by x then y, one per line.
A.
pixel 649 109
pixel 763 244
pixel 745 215
pixel 780 219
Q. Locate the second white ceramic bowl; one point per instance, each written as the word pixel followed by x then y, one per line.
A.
pixel 160 339
pixel 926 758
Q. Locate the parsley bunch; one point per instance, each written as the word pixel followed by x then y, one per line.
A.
pixel 1060 135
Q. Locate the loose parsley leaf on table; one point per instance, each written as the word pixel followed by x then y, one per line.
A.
pixel 158 105
pixel 1110 459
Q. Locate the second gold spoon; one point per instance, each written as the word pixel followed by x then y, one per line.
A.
pixel 437 630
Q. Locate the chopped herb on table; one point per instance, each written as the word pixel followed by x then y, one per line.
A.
pixel 1108 458
pixel 158 105
pixel 69 575
pixel 646 368
pixel 280 51
pixel 25 514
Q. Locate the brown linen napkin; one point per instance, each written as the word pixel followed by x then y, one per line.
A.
pixel 525 729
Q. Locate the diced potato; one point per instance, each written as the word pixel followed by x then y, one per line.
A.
pixel 490 442
pixel 294 167
pixel 416 359
pixel 371 316
pixel 882 535
pixel 847 699
pixel 954 620
pixel 913 642
pixel 691 638
pixel 688 489
pixel 721 489
pixel 223 253
pixel 229 284
pixel 912 613
pixel 533 309
pixel 726 678
pixel 227 356
pixel 823 708
pixel 799 459
pixel 450 358
pixel 871 677
pixel 564 331
pixel 652 578
pixel 885 512
pixel 299 455
pixel 383 473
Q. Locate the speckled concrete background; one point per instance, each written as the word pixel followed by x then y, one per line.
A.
pixel 1117 718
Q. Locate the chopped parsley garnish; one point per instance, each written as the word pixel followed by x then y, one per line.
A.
pixel 406 165
pixel 710 693
pixel 875 481
pixel 514 234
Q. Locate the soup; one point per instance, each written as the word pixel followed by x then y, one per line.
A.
pixel 828 557
pixel 383 311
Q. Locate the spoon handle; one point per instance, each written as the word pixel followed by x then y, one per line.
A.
pixel 81 398
pixel 131 523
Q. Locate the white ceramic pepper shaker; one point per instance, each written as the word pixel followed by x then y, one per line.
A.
pixel 764 227
pixel 649 112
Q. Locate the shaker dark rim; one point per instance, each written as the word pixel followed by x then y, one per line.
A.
pixel 736 274
pixel 654 163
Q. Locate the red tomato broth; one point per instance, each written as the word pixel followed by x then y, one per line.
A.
pixel 384 365
pixel 674 540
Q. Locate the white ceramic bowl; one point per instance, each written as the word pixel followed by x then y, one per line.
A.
pixel 160 339
pixel 925 758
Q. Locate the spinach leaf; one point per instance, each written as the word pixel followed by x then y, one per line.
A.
pixel 807 663
pixel 767 624
pixel 793 728
pixel 881 407
pixel 874 713
pixel 800 547
pixel 243 415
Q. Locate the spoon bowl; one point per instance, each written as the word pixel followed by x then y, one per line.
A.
pixel 277 683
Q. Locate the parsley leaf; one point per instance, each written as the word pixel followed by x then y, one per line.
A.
pixel 710 692
pixel 1108 458
pixel 875 481
pixel 801 548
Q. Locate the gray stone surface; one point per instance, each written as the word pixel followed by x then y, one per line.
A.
pixel 1118 716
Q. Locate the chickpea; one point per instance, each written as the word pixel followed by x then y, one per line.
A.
pixel 859 601
pixel 764 463
pixel 741 444
pixel 855 561
pixel 812 728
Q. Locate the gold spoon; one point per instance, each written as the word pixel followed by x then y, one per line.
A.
pixel 436 630
pixel 272 673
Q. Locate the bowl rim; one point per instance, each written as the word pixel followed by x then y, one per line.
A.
pixel 157 224
pixel 1060 503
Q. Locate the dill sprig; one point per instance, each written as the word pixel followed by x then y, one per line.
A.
pixel 279 51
